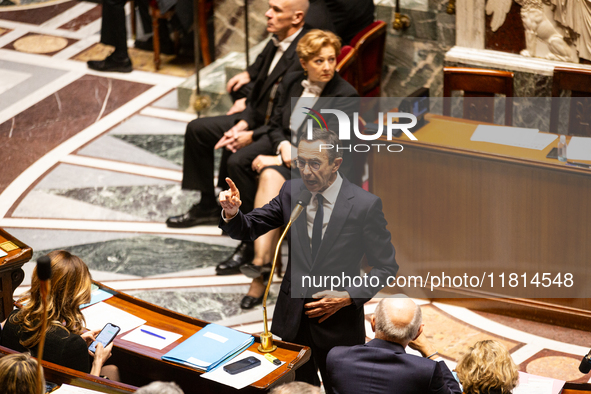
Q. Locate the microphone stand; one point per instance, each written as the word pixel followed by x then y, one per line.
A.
pixel 44 289
pixel 266 345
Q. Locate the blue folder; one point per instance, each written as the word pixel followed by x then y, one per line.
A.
pixel 210 347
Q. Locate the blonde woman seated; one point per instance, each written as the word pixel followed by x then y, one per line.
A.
pixel 65 342
pixel 487 368
pixel 317 52
pixel 18 374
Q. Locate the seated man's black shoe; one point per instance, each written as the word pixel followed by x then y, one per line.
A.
pixel 197 215
pixel 243 254
pixel 254 271
pixel 249 302
pixel 111 64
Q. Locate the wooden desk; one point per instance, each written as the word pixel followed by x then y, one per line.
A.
pixel 11 273
pixel 140 365
pixel 454 203
pixel 60 375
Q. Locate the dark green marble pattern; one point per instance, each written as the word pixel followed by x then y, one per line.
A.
pixel 210 307
pixel 150 202
pixel 147 255
pixel 169 147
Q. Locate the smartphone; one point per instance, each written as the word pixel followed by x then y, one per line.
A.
pixel 242 365
pixel 106 336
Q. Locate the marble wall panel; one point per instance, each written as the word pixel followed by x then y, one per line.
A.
pixel 229 25
pixel 414 57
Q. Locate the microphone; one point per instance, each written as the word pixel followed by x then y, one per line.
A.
pixel 44 275
pixel 303 201
pixel 44 268
pixel 266 337
pixel 585 366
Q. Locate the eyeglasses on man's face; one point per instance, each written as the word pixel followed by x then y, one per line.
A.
pixel 314 165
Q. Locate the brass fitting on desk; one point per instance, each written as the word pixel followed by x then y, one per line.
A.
pixel 401 21
pixel 451 7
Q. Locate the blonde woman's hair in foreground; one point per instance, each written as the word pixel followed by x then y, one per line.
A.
pixel 18 374
pixel 70 287
pixel 487 366
pixel 313 41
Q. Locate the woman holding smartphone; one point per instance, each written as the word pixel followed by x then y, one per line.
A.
pixel 65 343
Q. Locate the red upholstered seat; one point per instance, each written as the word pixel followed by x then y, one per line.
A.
pixel 369 45
pixel 346 65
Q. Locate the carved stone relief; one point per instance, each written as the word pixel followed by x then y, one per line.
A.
pixel 545 33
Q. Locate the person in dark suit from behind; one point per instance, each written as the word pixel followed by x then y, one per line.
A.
pixel 18 374
pixel 382 365
pixel 239 134
pixel 317 86
pixel 487 368
pixel 65 342
pixel 341 224
pixel 345 18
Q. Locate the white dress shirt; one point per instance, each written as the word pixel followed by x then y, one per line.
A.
pixel 330 197
pixel 281 48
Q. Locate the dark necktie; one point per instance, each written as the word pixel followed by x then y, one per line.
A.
pixel 317 228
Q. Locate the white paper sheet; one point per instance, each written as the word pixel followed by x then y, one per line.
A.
pixel 67 389
pixel 98 315
pixel 142 338
pixel 579 148
pixel 532 384
pixel 513 136
pixel 245 378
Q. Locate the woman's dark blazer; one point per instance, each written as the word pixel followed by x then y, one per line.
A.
pixel 337 94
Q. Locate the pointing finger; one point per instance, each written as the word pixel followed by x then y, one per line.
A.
pixel 232 185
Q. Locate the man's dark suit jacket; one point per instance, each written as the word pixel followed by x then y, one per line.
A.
pixel 357 226
pixel 337 94
pixel 384 367
pixel 261 85
pixel 345 18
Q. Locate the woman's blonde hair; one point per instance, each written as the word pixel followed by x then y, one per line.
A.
pixel 70 288
pixel 487 366
pixel 313 41
pixel 18 374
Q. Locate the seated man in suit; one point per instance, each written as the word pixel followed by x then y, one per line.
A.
pixel 240 133
pixel 341 224
pixel 382 366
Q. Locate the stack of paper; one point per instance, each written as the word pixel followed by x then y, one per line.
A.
pixel 579 148
pixel 98 315
pixel 245 378
pixel 532 384
pixel 210 347
pixel 513 136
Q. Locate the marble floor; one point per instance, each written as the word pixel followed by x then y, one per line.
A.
pixel 92 164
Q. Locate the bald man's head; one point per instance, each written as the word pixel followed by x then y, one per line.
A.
pixel 300 5
pixel 397 320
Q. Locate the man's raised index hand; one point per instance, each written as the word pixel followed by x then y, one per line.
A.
pixel 230 200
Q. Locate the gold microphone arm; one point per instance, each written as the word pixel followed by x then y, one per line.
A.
pixel 266 345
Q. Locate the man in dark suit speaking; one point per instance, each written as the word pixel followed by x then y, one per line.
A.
pixel 341 224
pixel 382 365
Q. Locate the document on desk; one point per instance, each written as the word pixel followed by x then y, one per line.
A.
pixel 152 337
pixel 97 295
pixel 98 315
pixel 533 384
pixel 579 148
pixel 242 379
pixel 67 389
pixel 513 136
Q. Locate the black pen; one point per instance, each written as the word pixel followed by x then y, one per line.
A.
pixel 575 164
